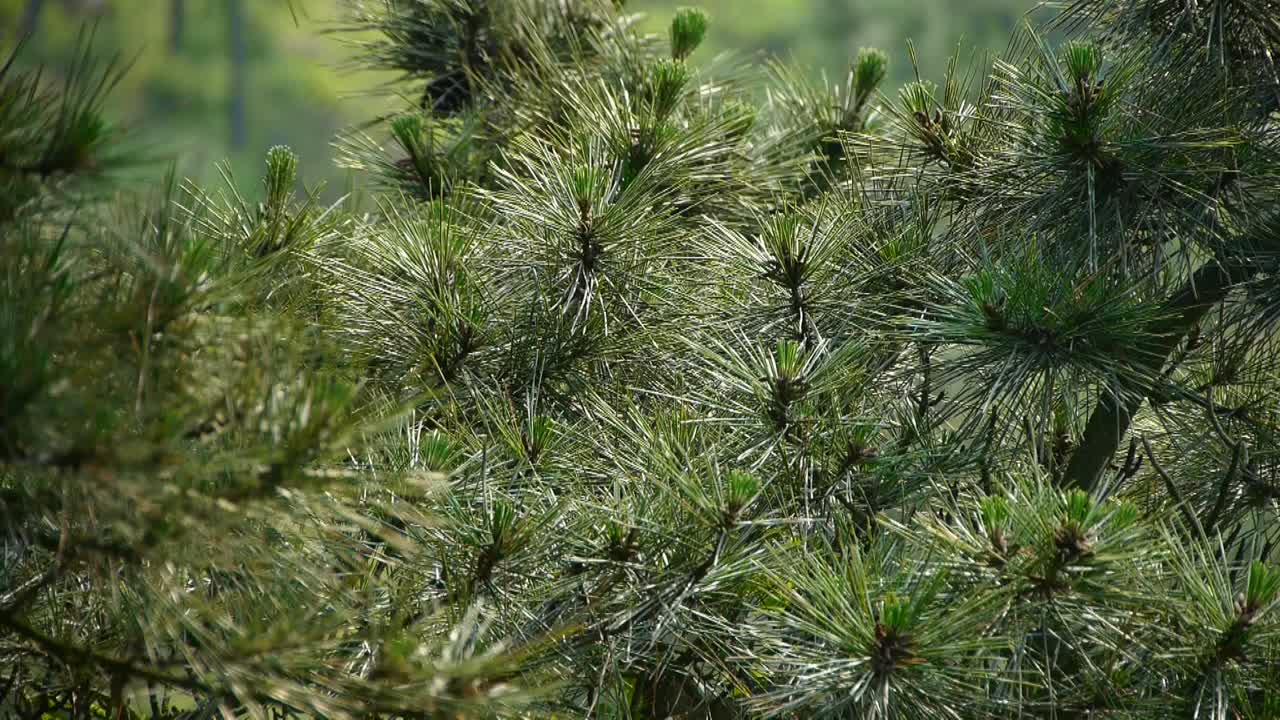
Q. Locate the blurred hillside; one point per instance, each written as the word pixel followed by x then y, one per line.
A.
pixel 177 96
pixel 823 35
pixel 194 58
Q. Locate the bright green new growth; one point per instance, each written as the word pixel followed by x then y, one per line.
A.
pixel 630 391
pixel 869 69
pixel 688 28
pixel 282 172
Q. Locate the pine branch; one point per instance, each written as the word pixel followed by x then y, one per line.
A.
pixel 1109 423
pixel 15 598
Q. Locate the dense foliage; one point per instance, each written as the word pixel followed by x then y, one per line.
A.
pixel 645 393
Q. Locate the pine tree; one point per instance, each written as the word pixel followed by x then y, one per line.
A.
pixel 643 393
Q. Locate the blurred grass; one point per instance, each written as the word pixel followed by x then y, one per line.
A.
pixel 177 102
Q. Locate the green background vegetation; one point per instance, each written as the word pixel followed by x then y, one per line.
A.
pixel 299 92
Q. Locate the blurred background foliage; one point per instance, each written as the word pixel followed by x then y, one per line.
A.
pixel 216 80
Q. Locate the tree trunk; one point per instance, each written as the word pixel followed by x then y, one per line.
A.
pixel 236 44
pixel 30 18
pixel 177 25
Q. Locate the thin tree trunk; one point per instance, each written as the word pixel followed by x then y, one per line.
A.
pixel 30 18
pixel 236 105
pixel 1109 423
pixel 177 25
